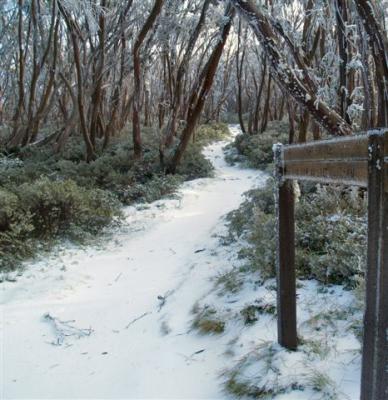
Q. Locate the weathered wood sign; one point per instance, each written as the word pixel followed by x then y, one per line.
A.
pixel 356 160
pixel 344 148
pixel 345 172
pixel 342 160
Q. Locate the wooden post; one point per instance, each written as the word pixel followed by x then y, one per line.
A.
pixel 382 307
pixel 374 382
pixel 286 280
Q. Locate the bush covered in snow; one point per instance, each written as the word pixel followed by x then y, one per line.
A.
pixel 256 150
pixel 44 209
pixel 330 233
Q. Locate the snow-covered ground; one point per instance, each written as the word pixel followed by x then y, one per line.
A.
pixel 116 322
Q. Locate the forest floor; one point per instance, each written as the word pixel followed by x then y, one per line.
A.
pixel 119 320
pixel 115 322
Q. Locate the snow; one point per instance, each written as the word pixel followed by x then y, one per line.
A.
pixel 133 298
pixel 116 322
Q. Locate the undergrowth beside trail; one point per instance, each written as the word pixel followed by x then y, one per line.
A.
pixel 330 233
pixel 255 151
pixel 331 230
pixel 46 196
pixel 330 220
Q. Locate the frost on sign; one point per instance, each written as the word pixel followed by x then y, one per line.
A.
pixel 340 160
pixel 344 172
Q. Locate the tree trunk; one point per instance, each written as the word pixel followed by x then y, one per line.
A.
pixel 198 99
pixel 90 152
pixel 264 120
pixel 342 21
pixel 379 45
pixel 171 128
pixel 303 126
pixel 98 77
pixel 137 145
pixel 239 69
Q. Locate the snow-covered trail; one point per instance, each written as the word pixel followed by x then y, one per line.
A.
pixel 136 296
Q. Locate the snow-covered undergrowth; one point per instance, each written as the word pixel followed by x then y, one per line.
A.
pixel 327 363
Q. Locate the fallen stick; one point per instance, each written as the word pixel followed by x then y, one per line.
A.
pixel 136 319
pixel 65 329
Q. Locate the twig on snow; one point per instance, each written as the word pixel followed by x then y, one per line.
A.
pixel 137 319
pixel 64 329
pixel 163 299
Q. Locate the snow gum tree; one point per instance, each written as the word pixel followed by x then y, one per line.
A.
pixel 93 70
pixel 301 88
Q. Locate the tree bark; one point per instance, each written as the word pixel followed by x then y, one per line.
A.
pixel 264 119
pixel 98 77
pixel 239 71
pixel 342 20
pixel 379 46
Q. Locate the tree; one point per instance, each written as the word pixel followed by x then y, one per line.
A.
pixel 301 89
pixel 379 46
pixel 156 10
pixel 200 93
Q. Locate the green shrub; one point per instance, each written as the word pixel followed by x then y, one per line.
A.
pixel 206 321
pixel 256 150
pixel 45 209
pixel 264 381
pixel 154 189
pixel 331 236
pixel 58 206
pixel 194 165
pixel 330 233
pixel 211 132
pixel 15 229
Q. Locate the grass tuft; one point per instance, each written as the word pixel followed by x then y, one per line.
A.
pixel 206 320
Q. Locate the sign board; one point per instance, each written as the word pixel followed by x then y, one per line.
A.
pixel 339 161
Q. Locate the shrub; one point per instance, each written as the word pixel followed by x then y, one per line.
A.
pixel 264 381
pixel 331 236
pixel 256 150
pixel 194 164
pixel 154 189
pixel 15 228
pixel 330 222
pixel 206 321
pixel 211 132
pixel 45 209
pixel 58 206
pixel 330 233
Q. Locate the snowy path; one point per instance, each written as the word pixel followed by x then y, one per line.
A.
pixel 135 295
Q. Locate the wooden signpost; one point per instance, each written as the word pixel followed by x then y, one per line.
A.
pixel 354 160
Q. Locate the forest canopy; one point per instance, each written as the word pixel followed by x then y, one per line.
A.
pixel 91 69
